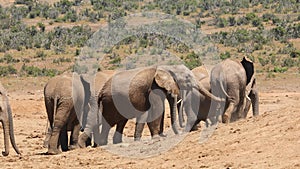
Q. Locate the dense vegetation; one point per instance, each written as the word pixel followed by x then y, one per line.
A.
pixel 264 30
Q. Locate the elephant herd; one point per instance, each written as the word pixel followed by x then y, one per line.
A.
pixel 89 103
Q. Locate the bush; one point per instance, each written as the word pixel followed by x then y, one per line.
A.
pixel 288 62
pixel 35 71
pixel 192 60
pixel 280 69
pixel 262 61
pixel 7 70
pixel 225 55
pixel 295 54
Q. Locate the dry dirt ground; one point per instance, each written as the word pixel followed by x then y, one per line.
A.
pixel 271 140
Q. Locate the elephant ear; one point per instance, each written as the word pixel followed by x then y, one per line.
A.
pixel 166 81
pixel 249 68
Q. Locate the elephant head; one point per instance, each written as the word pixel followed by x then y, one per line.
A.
pixel 7 122
pixel 165 80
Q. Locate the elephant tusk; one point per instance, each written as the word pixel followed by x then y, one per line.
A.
pixel 179 101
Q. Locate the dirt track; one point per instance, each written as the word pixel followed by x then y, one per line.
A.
pixel 271 140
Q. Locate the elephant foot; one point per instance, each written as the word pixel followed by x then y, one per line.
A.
pixel 162 135
pixel 194 128
pixel 137 139
pixel 225 119
pixel 95 145
pixel 73 147
pixel 46 144
pixel 102 142
pixel 82 140
pixel 53 152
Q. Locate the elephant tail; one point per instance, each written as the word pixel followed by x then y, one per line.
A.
pixel 54 110
pixel 223 90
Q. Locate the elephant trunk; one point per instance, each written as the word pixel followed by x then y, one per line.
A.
pixel 173 115
pixel 11 130
pixel 92 119
pixel 206 93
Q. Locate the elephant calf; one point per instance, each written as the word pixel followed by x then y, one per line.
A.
pixel 7 122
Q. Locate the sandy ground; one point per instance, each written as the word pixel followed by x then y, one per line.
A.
pixel 271 140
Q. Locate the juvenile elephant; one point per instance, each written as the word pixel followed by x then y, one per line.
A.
pixel 7 122
pixel 236 82
pixel 197 103
pixel 65 100
pixel 129 94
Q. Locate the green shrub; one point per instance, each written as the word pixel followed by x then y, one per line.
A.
pixel 288 62
pixel 263 61
pixel 280 69
pixel 7 70
pixel 35 71
pixel 225 55
pixel 295 54
pixel 192 60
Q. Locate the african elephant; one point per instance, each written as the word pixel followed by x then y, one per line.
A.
pixel 73 123
pixel 236 82
pixel 202 108
pixel 7 122
pixel 129 94
pixel 195 92
pixel 187 82
pixel 65 100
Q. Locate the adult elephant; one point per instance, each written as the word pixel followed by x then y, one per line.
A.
pixel 7 122
pixel 73 97
pixel 187 83
pixel 236 82
pixel 129 94
pixel 65 100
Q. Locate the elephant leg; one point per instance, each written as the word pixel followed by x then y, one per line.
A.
pixel 63 138
pixel 119 131
pixel 104 133
pixel 227 115
pixel 195 126
pixel 74 137
pixel 60 120
pixel 154 126
pixel 247 107
pixel 139 125
pixel 48 135
pixel 161 127
pixel 96 135
pixel 190 113
pixel 255 102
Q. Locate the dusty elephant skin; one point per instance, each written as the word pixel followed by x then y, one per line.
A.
pixel 7 122
pixel 129 94
pixel 236 82
pixel 64 97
